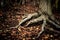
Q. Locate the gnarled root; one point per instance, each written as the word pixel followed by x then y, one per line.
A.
pixel 38 18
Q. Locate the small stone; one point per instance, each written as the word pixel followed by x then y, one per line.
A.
pixel 51 35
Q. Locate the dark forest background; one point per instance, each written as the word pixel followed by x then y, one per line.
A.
pixel 6 4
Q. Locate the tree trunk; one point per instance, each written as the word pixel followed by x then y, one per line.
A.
pixel 45 6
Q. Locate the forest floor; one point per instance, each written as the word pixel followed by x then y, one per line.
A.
pixel 14 16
